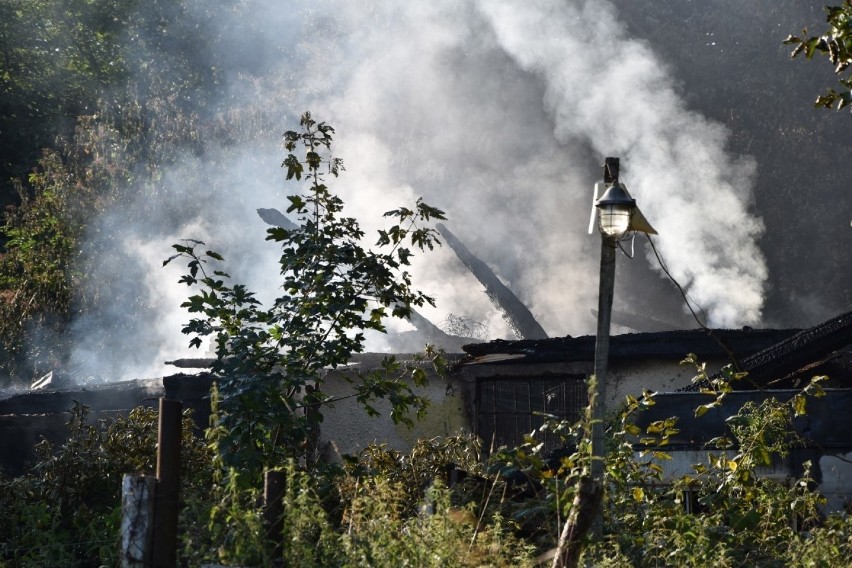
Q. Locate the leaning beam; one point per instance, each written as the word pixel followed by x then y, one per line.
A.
pixel 514 311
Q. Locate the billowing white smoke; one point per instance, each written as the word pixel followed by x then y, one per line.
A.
pixel 490 109
pixel 613 92
pixel 501 114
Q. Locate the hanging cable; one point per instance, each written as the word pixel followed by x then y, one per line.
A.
pixel 689 301
pixel 631 254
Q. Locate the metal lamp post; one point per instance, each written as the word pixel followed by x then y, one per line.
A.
pixel 617 215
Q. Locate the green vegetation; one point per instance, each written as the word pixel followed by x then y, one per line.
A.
pixel 386 508
pixel 835 43
pixel 67 510
pixel 96 100
pixel 103 139
pixel 272 360
pixel 64 59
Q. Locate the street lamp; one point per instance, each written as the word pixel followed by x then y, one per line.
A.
pixel 615 208
pixel 617 216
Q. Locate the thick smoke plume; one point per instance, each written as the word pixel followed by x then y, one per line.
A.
pixel 500 113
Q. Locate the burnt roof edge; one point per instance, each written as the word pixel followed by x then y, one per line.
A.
pixel 796 351
pixel 703 343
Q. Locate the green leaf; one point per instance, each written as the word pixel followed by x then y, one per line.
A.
pixel 800 404
pixel 763 456
pixel 632 429
pixel 296 203
pixel 701 410
pixel 814 388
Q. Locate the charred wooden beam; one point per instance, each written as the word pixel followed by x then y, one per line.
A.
pixel 796 356
pixel 520 319
pixel 193 362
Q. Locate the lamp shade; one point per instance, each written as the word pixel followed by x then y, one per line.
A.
pixel 615 208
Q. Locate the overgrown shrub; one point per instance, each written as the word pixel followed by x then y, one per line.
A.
pixel 390 508
pixel 66 510
pixel 270 360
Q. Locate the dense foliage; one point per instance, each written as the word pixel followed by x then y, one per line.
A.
pixel 66 510
pixel 95 100
pixel 63 59
pixel 386 508
pixel 272 360
pixel 98 100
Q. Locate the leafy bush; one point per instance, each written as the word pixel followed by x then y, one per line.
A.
pixel 66 510
pixel 389 508
pixel 270 360
pixel 374 511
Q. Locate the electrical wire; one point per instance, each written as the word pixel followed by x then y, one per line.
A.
pixel 689 301
pixel 632 252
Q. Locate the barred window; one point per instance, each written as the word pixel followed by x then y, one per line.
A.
pixel 507 407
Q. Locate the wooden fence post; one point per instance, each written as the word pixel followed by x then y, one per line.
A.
pixel 584 510
pixel 168 484
pixel 274 485
pixel 137 520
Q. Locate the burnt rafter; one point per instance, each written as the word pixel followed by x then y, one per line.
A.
pixel 521 320
pixel 799 355
pixel 518 316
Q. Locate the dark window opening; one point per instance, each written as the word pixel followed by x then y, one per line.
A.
pixel 506 408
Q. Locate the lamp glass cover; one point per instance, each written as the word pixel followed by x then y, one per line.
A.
pixel 614 220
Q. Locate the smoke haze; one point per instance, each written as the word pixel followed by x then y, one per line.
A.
pixel 499 113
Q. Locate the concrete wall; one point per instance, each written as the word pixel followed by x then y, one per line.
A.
pixel 624 377
pixel 836 484
pixel 347 428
